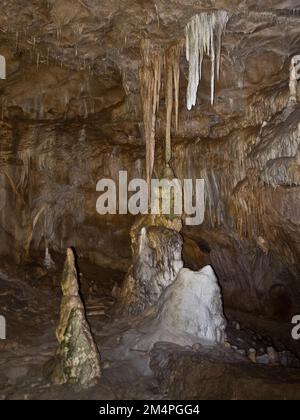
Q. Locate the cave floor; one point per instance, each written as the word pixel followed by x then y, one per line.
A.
pixel 30 301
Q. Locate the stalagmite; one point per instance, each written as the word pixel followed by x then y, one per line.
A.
pixel 188 311
pixel 77 359
pixel 48 261
pixel 150 83
pixel 203 36
pixel 193 305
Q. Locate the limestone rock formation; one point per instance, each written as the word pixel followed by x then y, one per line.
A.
pixel 77 360
pixel 156 263
pixel 193 305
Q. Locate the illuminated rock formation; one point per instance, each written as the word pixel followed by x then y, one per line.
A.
pixel 77 360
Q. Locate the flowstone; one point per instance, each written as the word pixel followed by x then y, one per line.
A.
pixel 77 360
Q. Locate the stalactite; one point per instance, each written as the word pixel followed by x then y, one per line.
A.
pixel 2 67
pixel 203 36
pixel 17 40
pixel 169 103
pixel 172 73
pixel 37 61
pixel 150 83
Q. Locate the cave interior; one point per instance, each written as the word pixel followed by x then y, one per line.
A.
pixel 100 297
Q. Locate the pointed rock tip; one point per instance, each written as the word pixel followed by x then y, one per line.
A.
pixel 70 256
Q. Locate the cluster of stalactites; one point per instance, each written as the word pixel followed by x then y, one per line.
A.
pixel 154 61
pixel 204 36
pixel 150 84
pixel 172 76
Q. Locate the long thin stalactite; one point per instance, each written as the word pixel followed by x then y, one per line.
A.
pixel 172 77
pixel 150 84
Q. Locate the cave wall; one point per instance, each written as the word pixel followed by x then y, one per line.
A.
pixel 60 134
pixel 64 128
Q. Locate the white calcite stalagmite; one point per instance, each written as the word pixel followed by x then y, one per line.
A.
pixel 189 312
pixel 193 305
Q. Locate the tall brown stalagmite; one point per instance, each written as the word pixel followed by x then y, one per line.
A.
pixel 77 360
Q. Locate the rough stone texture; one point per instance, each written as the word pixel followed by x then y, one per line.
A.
pixel 193 305
pixel 71 113
pixel 77 360
pixel 156 263
pixel 248 246
pixel 213 374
